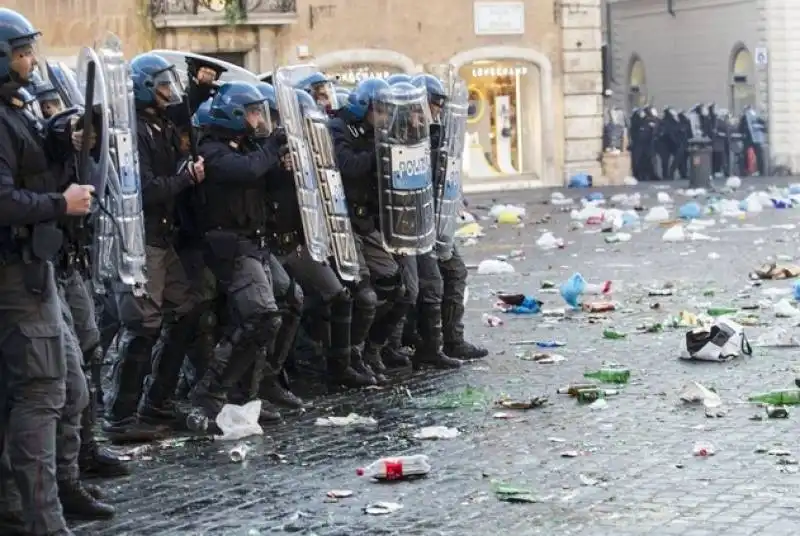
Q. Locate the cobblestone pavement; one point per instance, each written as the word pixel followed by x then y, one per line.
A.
pixel 635 472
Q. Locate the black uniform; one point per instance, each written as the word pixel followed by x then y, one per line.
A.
pixel 354 144
pixel 32 330
pixel 343 319
pixel 234 220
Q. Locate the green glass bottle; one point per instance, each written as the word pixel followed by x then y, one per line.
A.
pixel 613 334
pixel 609 375
pixel 721 311
pixel 784 397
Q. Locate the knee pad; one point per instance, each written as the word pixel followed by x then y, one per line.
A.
pixel 341 297
pixel 365 296
pixel 294 298
pixel 390 288
pixel 265 327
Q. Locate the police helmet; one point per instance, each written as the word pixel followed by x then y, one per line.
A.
pixel 154 80
pixel 202 117
pixel 306 102
pixel 360 100
pixel 399 77
pixel 435 88
pixel 268 92
pixel 312 80
pixel 233 107
pixel 42 89
pixel 15 32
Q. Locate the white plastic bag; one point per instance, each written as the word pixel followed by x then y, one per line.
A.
pixel 494 266
pixel 238 422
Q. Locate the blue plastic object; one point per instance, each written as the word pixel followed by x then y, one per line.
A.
pixel 580 180
pixel 595 196
pixel 529 306
pixel 690 211
pixel 572 288
pixel 796 288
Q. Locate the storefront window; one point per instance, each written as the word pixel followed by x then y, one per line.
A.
pixel 350 75
pixel 504 118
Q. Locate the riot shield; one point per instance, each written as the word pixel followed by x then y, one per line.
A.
pixel 405 189
pixel 448 166
pixel 754 127
pixel 99 159
pixel 309 196
pixel 232 73
pixel 695 122
pixel 124 193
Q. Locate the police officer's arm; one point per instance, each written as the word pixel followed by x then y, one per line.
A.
pixel 59 129
pixel 353 165
pixel 17 206
pixel 157 190
pixel 223 164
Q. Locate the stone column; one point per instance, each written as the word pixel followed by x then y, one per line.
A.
pixel 582 76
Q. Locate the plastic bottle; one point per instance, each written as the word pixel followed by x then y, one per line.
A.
pixel 783 397
pixel 613 334
pixel 396 468
pixel 610 375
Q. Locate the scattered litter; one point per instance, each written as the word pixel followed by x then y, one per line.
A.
pixel 436 432
pixel 353 419
pixel 547 241
pixel 535 402
pixel 494 267
pixel 339 493
pixel 696 392
pixel 703 450
pixel 382 508
pixel 777 338
pixel 510 493
pixel 775 271
pixel 777 412
pixel 237 422
pixel 238 453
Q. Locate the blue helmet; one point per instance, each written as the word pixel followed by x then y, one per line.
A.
pixel 361 98
pixel 154 78
pixel 312 80
pixel 233 105
pixel 15 32
pixel 202 117
pixel 436 92
pixel 268 92
pixel 399 77
pixel 306 102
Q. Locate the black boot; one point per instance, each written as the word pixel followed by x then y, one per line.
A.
pixel 340 371
pixel 372 358
pixel 96 462
pixel 269 387
pixel 79 504
pixel 392 354
pixel 453 331
pixel 430 352
pixel 156 406
pixel 131 366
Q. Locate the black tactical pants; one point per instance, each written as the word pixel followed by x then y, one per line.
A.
pixel 33 375
pixel 387 282
pixel 424 290
pixel 454 279
pixel 154 329
pixel 247 284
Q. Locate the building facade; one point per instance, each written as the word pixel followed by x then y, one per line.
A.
pixel 734 53
pixel 534 67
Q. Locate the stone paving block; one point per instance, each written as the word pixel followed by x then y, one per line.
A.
pixel 635 473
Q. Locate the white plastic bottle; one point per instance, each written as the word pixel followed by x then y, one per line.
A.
pixel 396 468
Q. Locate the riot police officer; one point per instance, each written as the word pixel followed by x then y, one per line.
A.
pixel 72 268
pixel 165 309
pixel 337 301
pixel 451 265
pixel 34 358
pixel 239 153
pixel 353 135
pixel 321 90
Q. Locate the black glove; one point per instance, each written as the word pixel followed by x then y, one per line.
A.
pixel 278 136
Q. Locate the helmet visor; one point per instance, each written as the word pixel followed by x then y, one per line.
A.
pixel 257 118
pixel 167 86
pixel 26 59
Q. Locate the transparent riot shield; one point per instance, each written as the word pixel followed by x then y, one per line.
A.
pixel 697 125
pixel 448 168
pixel 405 189
pixel 124 215
pixel 309 195
pixel 334 203
pixel 231 72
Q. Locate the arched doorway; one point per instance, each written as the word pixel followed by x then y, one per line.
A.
pixel 742 79
pixel 510 128
pixel 637 84
pixel 349 67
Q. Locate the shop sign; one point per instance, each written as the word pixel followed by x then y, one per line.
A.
pixel 499 18
pixel 493 72
pixel 354 76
